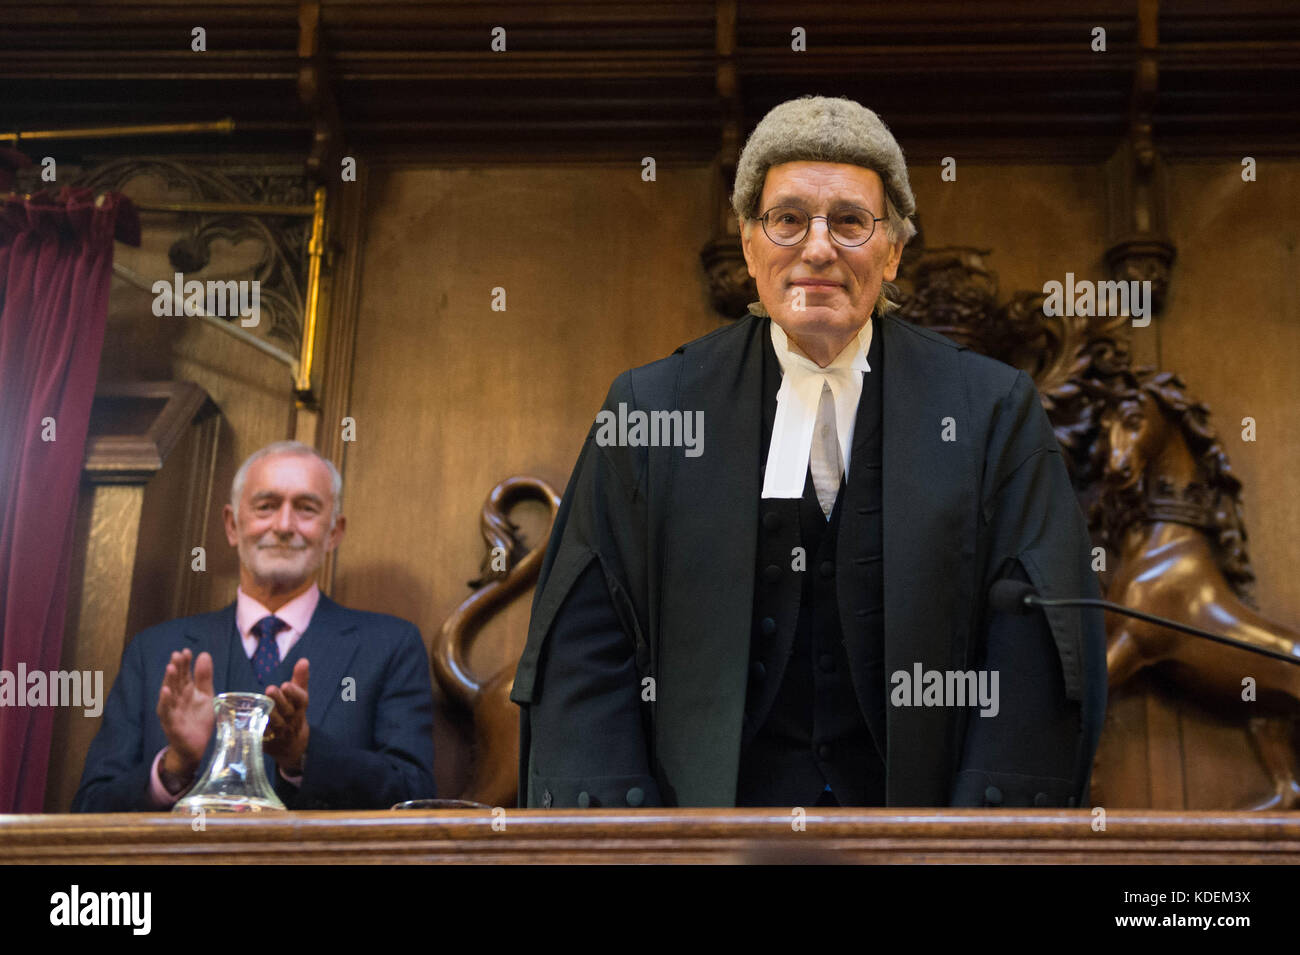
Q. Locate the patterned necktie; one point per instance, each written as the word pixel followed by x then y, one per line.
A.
pixel 826 460
pixel 267 656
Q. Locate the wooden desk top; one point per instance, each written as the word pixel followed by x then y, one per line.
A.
pixel 657 836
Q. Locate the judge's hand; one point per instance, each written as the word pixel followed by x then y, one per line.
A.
pixel 185 711
pixel 285 739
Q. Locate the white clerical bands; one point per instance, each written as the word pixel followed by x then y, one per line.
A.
pixel 797 402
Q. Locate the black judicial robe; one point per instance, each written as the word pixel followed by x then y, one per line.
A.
pixel 973 488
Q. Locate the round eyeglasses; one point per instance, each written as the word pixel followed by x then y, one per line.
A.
pixel 850 226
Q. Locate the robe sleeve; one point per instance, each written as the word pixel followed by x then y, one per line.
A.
pixel 1039 747
pixel 583 729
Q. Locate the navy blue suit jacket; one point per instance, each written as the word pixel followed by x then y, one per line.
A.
pixel 363 753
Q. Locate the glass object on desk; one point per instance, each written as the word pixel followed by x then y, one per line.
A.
pixel 235 777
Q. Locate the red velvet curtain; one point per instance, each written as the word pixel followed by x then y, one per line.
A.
pixel 56 259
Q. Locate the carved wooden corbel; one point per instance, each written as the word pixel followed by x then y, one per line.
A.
pixel 730 287
pixel 1138 247
pixel 317 94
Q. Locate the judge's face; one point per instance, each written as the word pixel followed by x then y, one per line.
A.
pixel 820 292
pixel 282 528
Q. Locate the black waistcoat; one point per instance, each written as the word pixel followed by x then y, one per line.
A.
pixel 811 678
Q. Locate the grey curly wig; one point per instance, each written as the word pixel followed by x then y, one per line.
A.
pixel 825 129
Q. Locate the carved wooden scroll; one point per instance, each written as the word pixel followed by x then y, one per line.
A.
pixel 507 570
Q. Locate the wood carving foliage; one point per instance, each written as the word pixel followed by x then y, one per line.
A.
pixel 281 265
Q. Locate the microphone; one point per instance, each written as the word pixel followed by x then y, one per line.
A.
pixel 1015 596
pixel 1009 595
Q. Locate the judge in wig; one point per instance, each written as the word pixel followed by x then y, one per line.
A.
pixel 793 608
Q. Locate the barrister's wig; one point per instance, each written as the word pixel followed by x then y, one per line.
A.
pixel 825 129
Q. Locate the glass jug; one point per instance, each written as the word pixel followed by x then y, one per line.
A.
pixel 235 777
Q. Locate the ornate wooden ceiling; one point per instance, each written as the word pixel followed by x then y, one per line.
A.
pixel 608 80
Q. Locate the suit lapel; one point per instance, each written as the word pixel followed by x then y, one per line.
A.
pixel 213 634
pixel 329 645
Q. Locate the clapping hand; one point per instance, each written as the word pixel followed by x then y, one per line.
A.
pixel 185 711
pixel 286 733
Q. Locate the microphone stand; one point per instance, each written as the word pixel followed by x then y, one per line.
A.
pixel 1020 598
